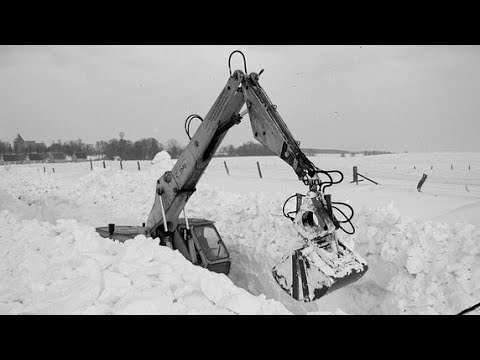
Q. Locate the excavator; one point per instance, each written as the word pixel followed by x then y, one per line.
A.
pixel 322 265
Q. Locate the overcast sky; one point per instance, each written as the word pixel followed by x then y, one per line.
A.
pixel 396 98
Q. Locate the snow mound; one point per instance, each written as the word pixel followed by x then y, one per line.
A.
pixel 67 268
pixel 427 267
pixel 162 156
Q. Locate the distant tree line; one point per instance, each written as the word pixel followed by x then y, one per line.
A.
pixel 5 147
pixel 147 148
pixel 70 147
pixel 375 152
pixel 249 148
pixel 144 149
pixel 252 148
pixel 67 147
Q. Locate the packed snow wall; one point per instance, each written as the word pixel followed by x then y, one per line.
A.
pixel 427 267
pixel 421 267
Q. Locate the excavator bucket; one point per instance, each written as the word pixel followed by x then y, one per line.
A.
pixel 314 271
pixel 324 264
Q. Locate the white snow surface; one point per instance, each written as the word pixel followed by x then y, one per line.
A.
pixel 423 259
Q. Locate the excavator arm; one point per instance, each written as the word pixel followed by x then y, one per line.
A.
pixel 176 186
pixel 324 263
pixel 270 130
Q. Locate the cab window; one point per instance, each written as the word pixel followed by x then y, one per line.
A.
pixel 211 243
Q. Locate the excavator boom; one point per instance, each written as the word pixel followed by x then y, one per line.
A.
pixel 270 129
pixel 176 186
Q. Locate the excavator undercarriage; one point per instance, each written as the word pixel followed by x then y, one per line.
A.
pixel 322 265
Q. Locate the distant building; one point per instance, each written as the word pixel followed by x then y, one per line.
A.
pixel 36 157
pixel 20 145
pixel 96 157
pixel 15 158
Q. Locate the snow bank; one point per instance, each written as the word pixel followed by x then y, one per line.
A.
pixel 256 233
pixel 119 195
pixel 428 267
pixel 415 267
pixel 67 268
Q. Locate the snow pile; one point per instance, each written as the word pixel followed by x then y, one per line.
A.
pixel 67 268
pixel 128 196
pixel 161 157
pixel 414 267
pixel 428 267
pixel 256 233
pixel 121 195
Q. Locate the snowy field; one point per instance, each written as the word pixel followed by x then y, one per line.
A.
pixel 423 248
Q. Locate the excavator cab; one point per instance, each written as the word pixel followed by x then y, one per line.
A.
pixel 208 250
pixel 199 242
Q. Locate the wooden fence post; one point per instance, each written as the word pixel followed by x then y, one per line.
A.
pixel 138 164
pixel 44 170
pixel 226 168
pixel 53 169
pixel 121 165
pixel 91 164
pixel 356 174
pixel 259 170
pixel 104 164
pixel 420 183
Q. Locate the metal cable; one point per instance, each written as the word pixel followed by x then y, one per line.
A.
pixel 244 61
pixel 188 120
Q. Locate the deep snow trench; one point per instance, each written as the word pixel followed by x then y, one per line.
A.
pixel 51 265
